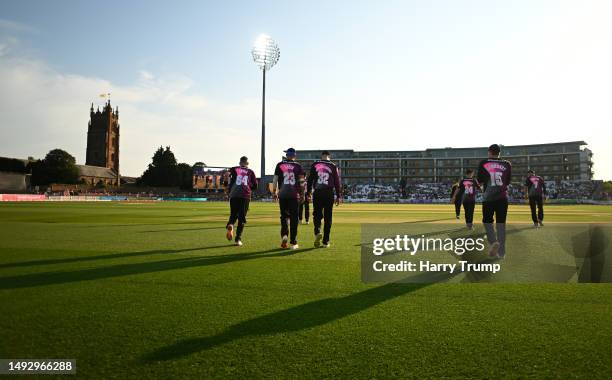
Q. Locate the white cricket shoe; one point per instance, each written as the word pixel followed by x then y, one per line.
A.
pixel 284 241
pixel 238 243
pixel 326 245
pixel 294 246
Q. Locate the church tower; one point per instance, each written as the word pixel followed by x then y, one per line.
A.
pixel 103 138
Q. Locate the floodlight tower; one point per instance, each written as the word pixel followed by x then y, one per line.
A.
pixel 265 54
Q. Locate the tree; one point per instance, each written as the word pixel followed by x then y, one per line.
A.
pixel 39 174
pixel 61 167
pixel 12 165
pixel 185 176
pixel 58 166
pixel 163 169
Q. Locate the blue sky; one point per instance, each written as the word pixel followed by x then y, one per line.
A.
pixel 352 74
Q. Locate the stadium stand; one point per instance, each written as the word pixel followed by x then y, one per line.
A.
pixel 12 182
pixel 437 192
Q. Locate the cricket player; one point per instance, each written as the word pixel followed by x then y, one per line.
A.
pixel 325 180
pixel 288 188
pixel 495 174
pixel 466 194
pixel 305 210
pixel 535 191
pixel 241 184
pixel 456 200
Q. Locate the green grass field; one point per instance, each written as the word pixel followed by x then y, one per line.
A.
pixel 155 291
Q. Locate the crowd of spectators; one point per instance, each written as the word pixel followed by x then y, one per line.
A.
pixel 574 190
pixel 438 192
pixel 441 191
pixel 370 192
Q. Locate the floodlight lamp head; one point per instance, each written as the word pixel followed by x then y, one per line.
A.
pixel 265 52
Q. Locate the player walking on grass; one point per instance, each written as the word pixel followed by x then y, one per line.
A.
pixel 466 195
pixel 288 189
pixel 324 178
pixel 242 182
pixel 495 174
pixel 535 191
pixel 305 210
pixel 455 199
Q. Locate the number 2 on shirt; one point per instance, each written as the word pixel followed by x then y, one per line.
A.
pixel 289 178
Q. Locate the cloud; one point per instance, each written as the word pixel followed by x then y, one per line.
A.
pixel 547 82
pixel 7 44
pixel 42 109
pixel 15 27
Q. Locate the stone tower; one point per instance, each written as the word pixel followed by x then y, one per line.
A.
pixel 103 138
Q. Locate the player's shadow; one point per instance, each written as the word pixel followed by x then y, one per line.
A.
pixel 62 277
pixel 185 229
pixel 301 317
pixel 104 257
pixel 112 225
pixel 424 221
pixel 222 227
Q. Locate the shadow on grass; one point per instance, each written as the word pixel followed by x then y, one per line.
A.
pixel 217 227
pixel 60 277
pixel 301 317
pixel 103 257
pixel 425 221
pixel 113 225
